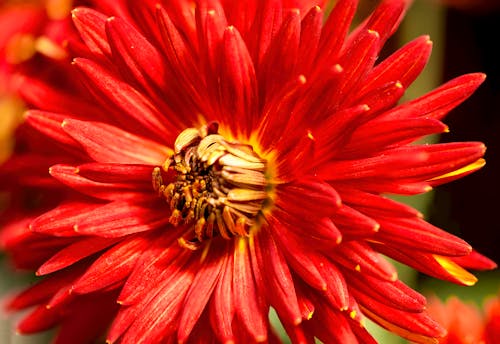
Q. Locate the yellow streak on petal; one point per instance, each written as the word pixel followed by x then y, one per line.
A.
pixel 456 270
pixel 471 167
pixel 413 337
pixel 357 268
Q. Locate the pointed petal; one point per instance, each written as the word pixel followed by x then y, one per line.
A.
pixel 136 111
pixel 245 295
pixel 238 85
pixel 112 266
pixel 74 253
pixel 108 144
pixel 134 55
pixel 201 290
pixel 69 176
pixel 91 25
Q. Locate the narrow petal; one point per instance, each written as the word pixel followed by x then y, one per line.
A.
pixel 404 65
pixel 60 220
pixel 118 219
pixel 222 307
pixel 245 296
pixel 74 253
pixel 158 319
pixel 69 176
pixel 279 284
pixel 276 68
pixel 50 125
pixel 393 294
pixel 112 266
pixel 310 33
pixel 200 292
pixel 437 103
pixel 141 114
pixel 359 257
pixel 238 88
pixel 108 144
pixel 91 25
pixel 134 55
pixel 116 173
pixel 372 204
pixel 335 30
pixel 417 234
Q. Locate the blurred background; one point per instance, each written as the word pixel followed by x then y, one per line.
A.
pixel 465 35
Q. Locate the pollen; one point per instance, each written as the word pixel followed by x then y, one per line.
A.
pixel 219 187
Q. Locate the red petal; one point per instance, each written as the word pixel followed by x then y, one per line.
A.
pixel 354 224
pixel 117 219
pixel 159 318
pixel 222 307
pixel 267 22
pixel 297 256
pixel 160 263
pixel 375 205
pixel 201 290
pixel 436 104
pixel 60 220
pixel 279 285
pixel 134 110
pixel 116 173
pixel 417 323
pixel 276 68
pixel 108 144
pixel 43 290
pixel 238 84
pixel 74 253
pixel 245 296
pixel 360 257
pixel 135 56
pixel 335 30
pixel 416 234
pixel 384 133
pixel 475 261
pixel 45 97
pixel 393 294
pixel 69 176
pixel 50 125
pixel 112 266
pixel 403 66
pixel 91 25
pixel 322 200
pixel 310 33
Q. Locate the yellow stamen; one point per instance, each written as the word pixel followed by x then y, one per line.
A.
pixel 220 187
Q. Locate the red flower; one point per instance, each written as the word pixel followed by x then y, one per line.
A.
pixel 464 322
pixel 227 157
pixel 29 30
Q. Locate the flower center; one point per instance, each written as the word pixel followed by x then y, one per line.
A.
pixel 219 188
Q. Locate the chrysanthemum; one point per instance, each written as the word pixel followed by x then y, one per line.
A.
pixel 225 158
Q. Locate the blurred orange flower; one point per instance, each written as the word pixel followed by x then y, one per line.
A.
pixel 465 323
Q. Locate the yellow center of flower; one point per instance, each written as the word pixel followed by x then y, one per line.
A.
pixel 220 187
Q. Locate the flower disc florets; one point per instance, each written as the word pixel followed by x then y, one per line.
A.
pixel 219 186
